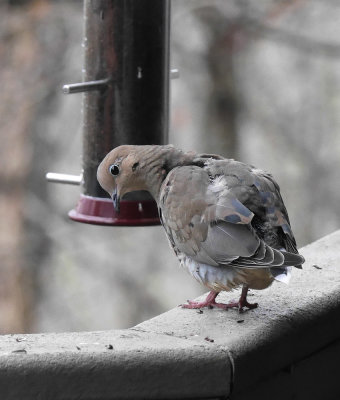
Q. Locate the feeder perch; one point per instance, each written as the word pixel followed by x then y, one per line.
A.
pixel 125 99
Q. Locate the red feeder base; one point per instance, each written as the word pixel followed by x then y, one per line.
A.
pixel 100 211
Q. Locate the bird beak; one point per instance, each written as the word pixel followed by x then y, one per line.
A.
pixel 116 200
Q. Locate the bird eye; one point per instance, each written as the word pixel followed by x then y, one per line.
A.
pixel 114 169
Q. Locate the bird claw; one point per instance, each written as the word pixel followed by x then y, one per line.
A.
pixel 195 304
pixel 250 306
pixel 211 304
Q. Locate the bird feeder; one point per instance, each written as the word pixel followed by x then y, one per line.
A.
pixel 125 99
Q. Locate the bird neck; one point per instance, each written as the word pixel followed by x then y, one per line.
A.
pixel 160 163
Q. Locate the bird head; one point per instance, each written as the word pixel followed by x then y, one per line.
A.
pixel 119 173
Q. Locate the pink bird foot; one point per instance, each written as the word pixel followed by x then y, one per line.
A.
pixel 243 300
pixel 242 304
pixel 210 302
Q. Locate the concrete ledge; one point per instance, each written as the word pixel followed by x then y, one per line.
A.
pixel 108 365
pixel 274 351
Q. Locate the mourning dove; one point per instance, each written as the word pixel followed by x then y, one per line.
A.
pixel 225 220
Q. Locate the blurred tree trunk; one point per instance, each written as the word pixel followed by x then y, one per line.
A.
pixel 37 39
pixel 222 97
pixel 19 72
pixel 15 288
pixel 222 101
pixel 16 114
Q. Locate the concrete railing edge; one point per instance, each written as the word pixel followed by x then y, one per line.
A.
pixel 183 353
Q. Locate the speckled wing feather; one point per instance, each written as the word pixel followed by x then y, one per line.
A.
pixel 259 192
pixel 222 212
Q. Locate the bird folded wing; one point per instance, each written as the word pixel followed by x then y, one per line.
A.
pixel 211 225
pixel 258 191
pixel 209 228
pixel 269 199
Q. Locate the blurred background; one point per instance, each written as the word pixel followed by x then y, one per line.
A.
pixel 259 82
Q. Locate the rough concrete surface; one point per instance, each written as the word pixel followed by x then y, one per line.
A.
pixel 190 354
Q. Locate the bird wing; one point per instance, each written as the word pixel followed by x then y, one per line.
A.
pixel 204 213
pixel 260 193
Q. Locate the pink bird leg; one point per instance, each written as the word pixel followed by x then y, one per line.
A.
pixel 210 302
